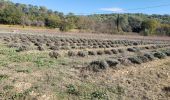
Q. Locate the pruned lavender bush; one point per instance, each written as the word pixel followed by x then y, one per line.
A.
pixel 82 53
pixel 72 53
pixel 98 65
pixel 112 63
pixel 54 54
pixel 92 53
pixel 149 56
pixel 159 55
pixel 135 60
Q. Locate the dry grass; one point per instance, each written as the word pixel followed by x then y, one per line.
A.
pixel 33 75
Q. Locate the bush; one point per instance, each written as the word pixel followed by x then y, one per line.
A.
pixel 135 43
pixel 97 95
pixel 153 47
pixel 92 53
pixel 147 47
pixel 112 63
pixel 71 89
pixel 121 51
pixel 167 52
pixel 100 52
pixel 71 53
pixel 41 48
pixel 131 49
pixel 114 51
pixel 135 60
pixel 149 56
pixel 82 53
pixel 23 48
pixel 54 54
pixel 98 65
pixel 159 55
pixel 54 48
pixel 143 59
pixel 124 61
pixel 137 49
pixel 38 44
pixel 108 52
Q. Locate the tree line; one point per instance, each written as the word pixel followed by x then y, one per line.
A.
pixel 30 15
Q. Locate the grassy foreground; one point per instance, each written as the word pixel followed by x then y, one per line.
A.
pixel 34 75
pixel 29 75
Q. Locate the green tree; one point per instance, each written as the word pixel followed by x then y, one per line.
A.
pixel 150 25
pixel 53 21
pixel 164 29
pixel 71 20
pixel 10 15
pixel 135 23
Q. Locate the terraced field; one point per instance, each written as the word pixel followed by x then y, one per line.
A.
pixel 53 67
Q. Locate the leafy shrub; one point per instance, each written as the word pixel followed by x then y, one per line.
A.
pixel 159 55
pixel 40 48
pixel 153 47
pixel 131 49
pixel 99 95
pixel 23 48
pixel 54 54
pixel 98 65
pixel 149 56
pixel 71 53
pixel 166 89
pixel 71 89
pixel 121 51
pixel 124 61
pixel 54 47
pixel 143 59
pixel 137 49
pixel 147 47
pixel 108 52
pixel 92 53
pixel 114 51
pixel 100 52
pixel 108 46
pixel 38 44
pixel 82 53
pixel 167 52
pixel 135 60
pixel 135 43
pixel 112 63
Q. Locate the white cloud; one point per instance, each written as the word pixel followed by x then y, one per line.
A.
pixel 113 9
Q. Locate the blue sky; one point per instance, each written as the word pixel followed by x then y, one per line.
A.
pixel 103 6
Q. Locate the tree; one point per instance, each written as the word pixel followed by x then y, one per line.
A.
pixel 164 29
pixel 124 24
pixel 11 15
pixel 53 21
pixel 151 25
pixel 65 26
pixel 71 20
pixel 135 23
pixel 84 23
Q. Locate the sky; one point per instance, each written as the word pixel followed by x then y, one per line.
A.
pixel 103 6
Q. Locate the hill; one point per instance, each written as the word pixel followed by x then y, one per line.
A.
pixel 30 15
